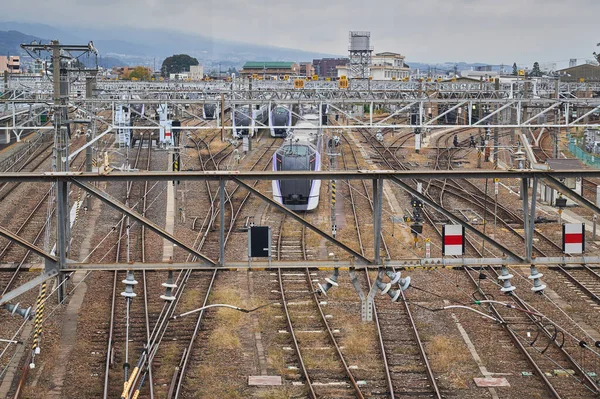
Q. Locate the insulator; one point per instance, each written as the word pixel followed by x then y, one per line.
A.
pixel 15 309
pixel 129 283
pixel 505 277
pixel 169 285
pixel 394 276
pixel 535 275
pixel 329 282
pixel 384 287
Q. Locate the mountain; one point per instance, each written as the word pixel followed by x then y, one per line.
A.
pixel 11 40
pixel 149 46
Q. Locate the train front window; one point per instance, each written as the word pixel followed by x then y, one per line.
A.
pixel 296 150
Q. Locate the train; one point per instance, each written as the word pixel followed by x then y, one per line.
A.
pixel 209 111
pixel 244 120
pixel 301 151
pixel 280 121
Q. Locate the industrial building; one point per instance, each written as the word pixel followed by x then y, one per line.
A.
pixel 587 72
pixel 10 64
pixel 269 69
pixel 327 67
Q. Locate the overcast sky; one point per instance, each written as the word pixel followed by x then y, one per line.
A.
pixel 491 31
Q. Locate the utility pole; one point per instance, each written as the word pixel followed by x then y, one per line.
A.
pixel 90 86
pixel 223 117
pixel 60 163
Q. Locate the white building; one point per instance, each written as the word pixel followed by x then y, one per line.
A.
pixel 179 76
pixel 387 66
pixel 196 72
pixel 384 66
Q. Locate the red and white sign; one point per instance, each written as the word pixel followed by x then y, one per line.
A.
pixel 453 240
pixel 573 238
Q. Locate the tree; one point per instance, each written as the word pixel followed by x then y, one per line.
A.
pixel 177 63
pixel 515 71
pixel 535 71
pixel 140 73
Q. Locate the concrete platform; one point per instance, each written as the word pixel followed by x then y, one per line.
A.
pixel 264 380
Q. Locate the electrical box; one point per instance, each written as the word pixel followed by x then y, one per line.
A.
pixel 259 242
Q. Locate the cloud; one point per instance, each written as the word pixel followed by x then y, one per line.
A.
pixel 425 30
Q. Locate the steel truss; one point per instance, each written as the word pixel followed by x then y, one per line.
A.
pixel 401 113
pixel 59 265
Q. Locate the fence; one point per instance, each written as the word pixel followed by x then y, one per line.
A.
pixel 585 157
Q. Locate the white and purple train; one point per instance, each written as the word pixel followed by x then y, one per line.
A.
pixel 301 151
pixel 280 121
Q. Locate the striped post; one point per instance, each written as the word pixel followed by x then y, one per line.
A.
pixel 333 217
pixel 39 315
pixel 78 206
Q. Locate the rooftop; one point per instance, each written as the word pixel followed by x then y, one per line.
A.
pixel 267 64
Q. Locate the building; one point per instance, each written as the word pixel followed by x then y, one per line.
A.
pixel 387 66
pixel 479 75
pixel 384 66
pixel 587 72
pixel 180 76
pixel 196 72
pixel 327 67
pixel 269 69
pixel 307 69
pixel 10 64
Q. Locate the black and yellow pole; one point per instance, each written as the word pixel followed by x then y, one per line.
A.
pixel 39 315
pixel 333 199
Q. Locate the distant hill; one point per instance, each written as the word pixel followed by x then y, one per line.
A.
pixel 149 46
pixel 11 40
pixel 10 44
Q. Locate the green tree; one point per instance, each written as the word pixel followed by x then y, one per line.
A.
pixel 535 71
pixel 177 63
pixel 515 71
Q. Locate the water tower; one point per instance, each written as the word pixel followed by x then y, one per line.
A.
pixel 360 50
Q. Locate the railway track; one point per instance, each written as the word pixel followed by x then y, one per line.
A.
pixel 325 375
pixel 546 351
pixel 166 340
pixel 530 351
pixel 407 368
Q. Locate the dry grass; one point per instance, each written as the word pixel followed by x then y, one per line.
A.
pixel 276 360
pixel 446 356
pixel 170 359
pixel 324 360
pixel 358 340
pixel 210 385
pixel 224 337
pixel 230 297
pixel 283 392
pixel 191 299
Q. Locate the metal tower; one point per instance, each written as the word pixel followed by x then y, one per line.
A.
pixel 360 51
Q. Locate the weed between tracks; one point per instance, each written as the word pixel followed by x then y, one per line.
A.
pixel 446 358
pixel 358 339
pixel 225 335
pixel 211 385
pixel 284 392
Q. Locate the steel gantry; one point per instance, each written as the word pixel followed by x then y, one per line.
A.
pixel 59 265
